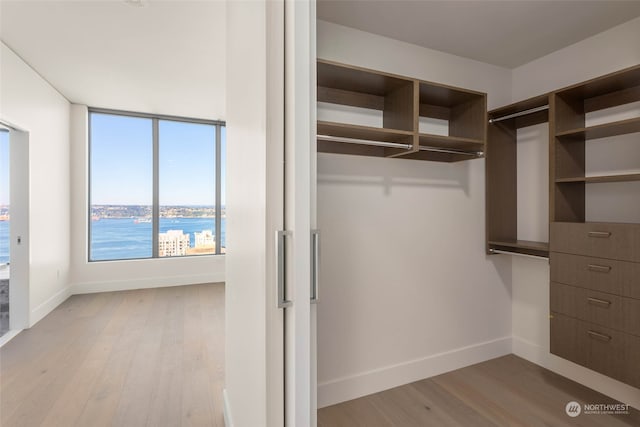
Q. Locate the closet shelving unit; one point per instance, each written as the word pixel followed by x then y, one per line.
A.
pixel 501 176
pixel 595 294
pixel 402 101
pixel 569 137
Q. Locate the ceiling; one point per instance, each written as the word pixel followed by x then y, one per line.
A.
pixel 140 55
pixel 168 56
pixel 504 33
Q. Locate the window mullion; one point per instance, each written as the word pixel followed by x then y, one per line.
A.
pixel 155 208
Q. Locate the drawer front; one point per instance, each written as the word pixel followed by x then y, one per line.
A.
pixel 619 313
pixel 602 240
pixel 604 350
pixel 598 274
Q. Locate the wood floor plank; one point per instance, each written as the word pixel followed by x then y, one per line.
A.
pixel 132 358
pixel 506 391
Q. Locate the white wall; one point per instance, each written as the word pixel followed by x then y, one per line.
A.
pixel 604 53
pixel 119 275
pixel 29 102
pixel 406 290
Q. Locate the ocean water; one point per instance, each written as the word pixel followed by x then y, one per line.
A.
pixel 123 238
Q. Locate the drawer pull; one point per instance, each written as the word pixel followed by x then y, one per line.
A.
pixel 599 301
pixel 599 268
pixel 599 336
pixel 601 234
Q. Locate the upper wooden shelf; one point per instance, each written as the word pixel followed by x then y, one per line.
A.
pixel 602 178
pixel 345 130
pixel 356 79
pixel 402 102
pixel 611 83
pixel 621 127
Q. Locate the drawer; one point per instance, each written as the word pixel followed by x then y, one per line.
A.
pixel 615 312
pixel 604 350
pixel 598 274
pixel 602 240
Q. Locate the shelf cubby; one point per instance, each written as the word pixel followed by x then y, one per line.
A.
pixel 402 102
pixel 569 135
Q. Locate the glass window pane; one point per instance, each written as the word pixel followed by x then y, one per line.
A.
pixel 121 167
pixel 186 189
pixel 4 196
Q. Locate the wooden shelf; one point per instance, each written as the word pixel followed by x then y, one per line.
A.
pixel 602 178
pixel 458 143
pixel 621 127
pixel 346 130
pixel 525 247
pixel 402 101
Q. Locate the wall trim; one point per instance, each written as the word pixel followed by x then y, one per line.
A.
pixel 8 336
pixel 146 283
pixel 49 305
pixel 352 387
pixel 539 355
pixel 226 410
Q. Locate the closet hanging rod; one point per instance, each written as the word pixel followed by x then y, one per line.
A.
pixel 346 140
pixel 519 113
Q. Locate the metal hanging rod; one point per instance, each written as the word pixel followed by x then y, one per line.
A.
pixel 346 140
pixel 520 113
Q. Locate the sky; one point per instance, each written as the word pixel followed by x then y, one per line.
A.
pixel 4 167
pixel 122 156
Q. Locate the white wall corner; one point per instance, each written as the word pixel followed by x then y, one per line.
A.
pixel 362 384
pixel 228 421
pixel 49 305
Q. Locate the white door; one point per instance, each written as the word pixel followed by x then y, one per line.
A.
pixel 299 213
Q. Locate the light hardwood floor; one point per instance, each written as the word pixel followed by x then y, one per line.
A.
pixel 507 391
pixel 152 357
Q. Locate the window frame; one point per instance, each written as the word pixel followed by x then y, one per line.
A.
pixel 155 206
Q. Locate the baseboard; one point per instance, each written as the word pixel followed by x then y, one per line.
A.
pixel 352 387
pixel 49 305
pixel 146 283
pixel 226 410
pixel 608 386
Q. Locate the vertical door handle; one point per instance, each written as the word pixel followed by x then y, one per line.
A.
pixel 281 235
pixel 315 264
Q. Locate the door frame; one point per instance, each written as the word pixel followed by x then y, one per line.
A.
pixel 19 289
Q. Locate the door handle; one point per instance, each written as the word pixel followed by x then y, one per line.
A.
pixel 281 235
pixel 315 264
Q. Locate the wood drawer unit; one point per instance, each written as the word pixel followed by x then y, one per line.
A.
pixel 601 349
pixel 601 240
pixel 612 311
pixel 598 274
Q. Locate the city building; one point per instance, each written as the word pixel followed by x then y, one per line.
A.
pixel 173 243
pixel 205 239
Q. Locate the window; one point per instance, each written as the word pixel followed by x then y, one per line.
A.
pixel 4 196
pixel 154 186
